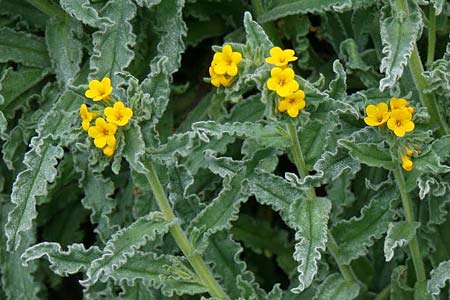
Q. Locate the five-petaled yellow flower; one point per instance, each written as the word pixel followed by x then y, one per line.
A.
pixel 86 117
pixel 99 90
pixel 407 163
pixel 400 122
pixel 293 103
pixel 119 114
pixel 103 133
pixel 282 81
pixel 280 57
pixel 377 115
pixel 226 62
pixel 400 103
pixel 218 80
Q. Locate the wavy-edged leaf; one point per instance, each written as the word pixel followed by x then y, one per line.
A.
pixel 282 8
pixel 439 276
pixel 438 5
pixel 354 236
pixel 398 235
pixel 167 272
pixel 17 85
pixel 84 12
pixel 17 280
pixel 399 288
pixel 138 291
pixel 64 48
pixel 369 154
pixel 257 39
pixel 63 262
pixel 310 218
pixel 112 53
pixel 336 288
pixel 124 243
pixel 41 163
pixel 275 191
pixel 21 47
pixel 134 147
pixel 338 86
pixel 267 135
pixel 399 37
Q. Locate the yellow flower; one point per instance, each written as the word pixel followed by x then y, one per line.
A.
pixel 409 151
pixel 407 163
pixel 282 81
pixel 292 103
pixel 279 57
pixel 217 80
pixel 99 90
pixel 377 115
pixel 86 117
pixel 400 122
pixel 119 114
pixel 400 103
pixel 103 133
pixel 109 150
pixel 225 62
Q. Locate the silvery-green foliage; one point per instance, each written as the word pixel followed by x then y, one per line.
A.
pixel 263 226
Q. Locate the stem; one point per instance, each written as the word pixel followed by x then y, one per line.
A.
pixel 346 270
pixel 431 36
pixel 427 100
pixel 197 262
pixel 413 244
pixel 48 7
pixel 384 294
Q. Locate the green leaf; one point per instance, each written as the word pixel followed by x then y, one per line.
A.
pixel 21 47
pixel 64 48
pixel 17 85
pixel 124 243
pixel 338 86
pixel 399 37
pixel 398 235
pixel 439 276
pixel 267 135
pixel 275 191
pixel 167 272
pixel 257 39
pixel 311 221
pixel 354 236
pixel 439 5
pixel 17 280
pixel 75 259
pixel 336 288
pixel 138 291
pixel 112 53
pixel 369 154
pixel 134 147
pixel 40 164
pixel 282 8
pixel 399 288
pixel 83 12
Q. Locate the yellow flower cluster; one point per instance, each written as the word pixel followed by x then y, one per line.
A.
pixel 103 132
pixel 399 119
pixel 224 66
pixel 282 81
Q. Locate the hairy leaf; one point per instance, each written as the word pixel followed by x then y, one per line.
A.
pixel 398 235
pixel 124 243
pixel 311 221
pixel 439 276
pixel 75 259
pixel 83 12
pixel 336 288
pixel 369 154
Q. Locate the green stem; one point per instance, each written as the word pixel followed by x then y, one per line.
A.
pixel 427 100
pixel 409 215
pixel 48 8
pixel 431 36
pixel 384 294
pixel 197 262
pixel 297 154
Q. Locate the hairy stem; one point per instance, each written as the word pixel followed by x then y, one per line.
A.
pixel 409 215
pixel 427 100
pixel 297 154
pixel 197 262
pixel 431 36
pixel 48 8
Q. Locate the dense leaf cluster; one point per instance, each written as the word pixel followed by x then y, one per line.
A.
pixel 211 193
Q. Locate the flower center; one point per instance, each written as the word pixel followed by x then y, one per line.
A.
pixel 105 131
pixel 380 119
pixel 398 123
